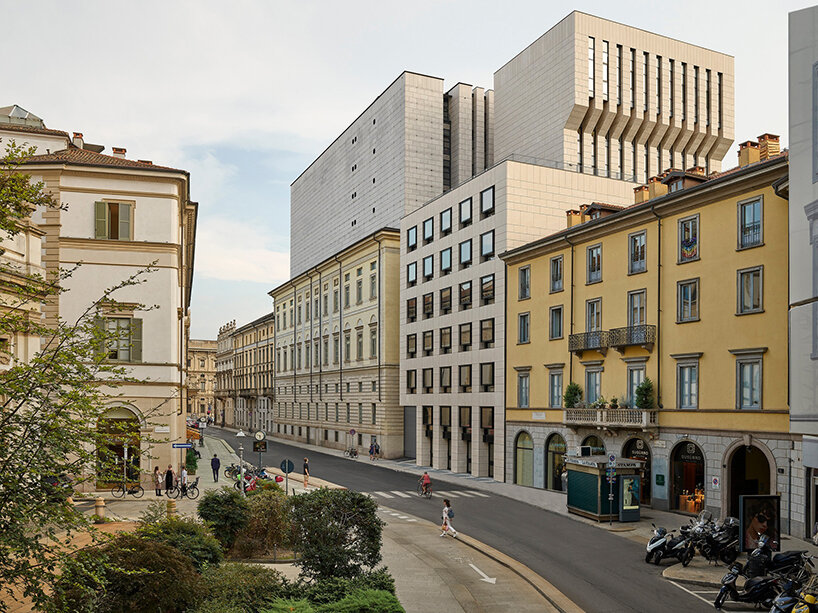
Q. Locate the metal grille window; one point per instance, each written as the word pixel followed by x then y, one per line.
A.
pixel 594 257
pixel 465 295
pixel 749 221
pixel 487 289
pixel 637 253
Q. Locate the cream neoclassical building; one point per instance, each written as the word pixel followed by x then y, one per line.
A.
pixel 120 216
pixel 201 378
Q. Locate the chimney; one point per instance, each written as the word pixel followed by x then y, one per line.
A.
pixel 656 188
pixel 574 218
pixel 119 152
pixel 148 162
pixel 77 140
pixel 696 170
pixel 768 146
pixel 748 153
pixel 640 194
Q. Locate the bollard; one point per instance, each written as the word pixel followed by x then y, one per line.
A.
pixel 171 508
pixel 99 507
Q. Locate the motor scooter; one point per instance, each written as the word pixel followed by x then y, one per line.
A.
pixel 665 545
pixel 758 590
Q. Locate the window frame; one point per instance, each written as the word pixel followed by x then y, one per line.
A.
pixel 679 285
pixel 632 269
pixel 551 310
pixel 411 275
pixel 445 269
pixel 589 258
pixel 428 230
pixel 445 229
pixel 412 305
pixel 524 383
pixel 445 300
pixel 411 345
pixel 428 267
pixel 447 348
pixel 681 365
pixel 465 305
pixel 467 262
pixel 552 373
pixel 742 360
pixel 524 289
pixel 487 343
pixel 680 224
pixel 465 368
pixel 411 239
pixel 428 305
pixel 445 372
pixel 485 280
pixel 524 327
pixel 740 310
pixel 487 383
pixel 486 212
pixel 487 255
pixel 428 342
pixel 460 209
pixel 597 372
pixel 740 205
pixel 551 284
pixel 465 327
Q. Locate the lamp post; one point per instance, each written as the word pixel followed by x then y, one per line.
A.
pixel 241 436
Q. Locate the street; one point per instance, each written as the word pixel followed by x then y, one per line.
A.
pixel 600 572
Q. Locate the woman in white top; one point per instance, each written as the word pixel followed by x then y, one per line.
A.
pixel 448 514
pixel 183 480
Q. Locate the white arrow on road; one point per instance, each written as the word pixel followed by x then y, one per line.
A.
pixel 484 576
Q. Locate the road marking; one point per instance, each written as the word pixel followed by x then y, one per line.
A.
pixel 466 494
pixel 681 587
pixel 403 517
pixel 446 494
pixel 411 520
pixel 485 577
pixel 384 494
pixel 401 494
pixel 395 514
pixel 481 494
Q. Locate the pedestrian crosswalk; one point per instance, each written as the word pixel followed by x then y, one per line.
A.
pixel 437 494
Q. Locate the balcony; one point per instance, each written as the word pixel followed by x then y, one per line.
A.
pixel 588 341
pixel 630 336
pixel 611 418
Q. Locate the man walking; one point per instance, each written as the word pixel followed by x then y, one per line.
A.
pixel 306 473
pixel 215 465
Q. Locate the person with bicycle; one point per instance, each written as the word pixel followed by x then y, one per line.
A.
pixel 183 480
pixel 425 483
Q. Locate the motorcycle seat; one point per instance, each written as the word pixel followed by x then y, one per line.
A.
pixel 787 556
pixel 750 583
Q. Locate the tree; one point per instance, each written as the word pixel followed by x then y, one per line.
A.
pixel 573 394
pixel 227 512
pixel 49 405
pixel 644 395
pixel 336 532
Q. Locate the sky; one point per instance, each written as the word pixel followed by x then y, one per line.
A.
pixel 246 94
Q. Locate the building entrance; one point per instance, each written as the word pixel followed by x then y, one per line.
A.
pixel 687 478
pixel 749 474
pixel 637 449
pixel 554 462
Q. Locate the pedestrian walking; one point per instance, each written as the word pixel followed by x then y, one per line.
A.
pixel 306 473
pixel 183 480
pixel 215 465
pixel 157 480
pixel 170 477
pixel 448 516
pixel 371 451
pixel 377 450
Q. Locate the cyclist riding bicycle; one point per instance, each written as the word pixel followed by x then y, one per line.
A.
pixel 425 482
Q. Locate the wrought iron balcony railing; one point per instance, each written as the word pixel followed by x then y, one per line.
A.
pixel 644 335
pixel 589 341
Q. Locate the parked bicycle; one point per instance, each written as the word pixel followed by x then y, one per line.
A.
pixel 232 471
pixel 191 491
pixel 119 490
pixel 352 452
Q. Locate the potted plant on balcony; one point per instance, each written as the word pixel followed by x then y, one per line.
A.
pixel 644 395
pixel 573 395
pixel 599 403
pixel 614 403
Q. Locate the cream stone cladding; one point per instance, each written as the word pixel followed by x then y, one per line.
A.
pixel 201 377
pixel 163 232
pixel 328 381
pixel 387 162
pixel 253 368
pixel 530 201
pixel 543 99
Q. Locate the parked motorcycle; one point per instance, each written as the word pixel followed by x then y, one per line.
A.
pixel 714 542
pixel 790 564
pixel 664 544
pixel 760 591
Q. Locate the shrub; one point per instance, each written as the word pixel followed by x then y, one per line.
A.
pixel 265 486
pixel 365 601
pixel 191 461
pixel 155 513
pixel 336 532
pixel 333 589
pixel 189 537
pixel 281 605
pixel 268 525
pixel 128 575
pixel 644 395
pixel 573 394
pixel 227 512
pixel 246 587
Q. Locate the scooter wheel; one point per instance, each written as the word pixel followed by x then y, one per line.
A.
pixel 720 598
pixel 728 556
pixel 657 558
pixel 687 556
pixel 648 557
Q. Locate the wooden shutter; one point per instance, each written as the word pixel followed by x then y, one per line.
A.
pixel 100 220
pixel 125 222
pixel 136 340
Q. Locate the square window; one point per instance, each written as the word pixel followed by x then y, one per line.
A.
pixel 113 221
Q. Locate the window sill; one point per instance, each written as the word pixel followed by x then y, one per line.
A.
pixel 637 272
pixel 523 342
pixel 594 282
pixel 556 291
pixel 753 312
pixel 556 338
pixel 739 248
pixel 687 321
pixel 521 298
pixel 696 259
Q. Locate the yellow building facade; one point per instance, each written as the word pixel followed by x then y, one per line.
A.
pixel 336 350
pixel 686 288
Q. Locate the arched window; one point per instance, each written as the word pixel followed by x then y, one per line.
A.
pixel 524 459
pixel 596 445
pixel 554 462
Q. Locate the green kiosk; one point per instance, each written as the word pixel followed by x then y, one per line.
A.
pixel 604 488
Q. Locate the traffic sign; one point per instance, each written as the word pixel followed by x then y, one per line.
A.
pixel 610 497
pixel 182 445
pixel 287 466
pixel 352 432
pixel 612 460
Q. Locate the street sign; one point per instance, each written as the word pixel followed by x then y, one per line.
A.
pixel 612 460
pixel 352 432
pixel 610 497
pixel 287 466
pixel 182 445
pixel 260 446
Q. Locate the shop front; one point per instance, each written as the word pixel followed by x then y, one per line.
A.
pixel 555 448
pixel 637 449
pixel 749 472
pixel 524 459
pixel 595 443
pixel 687 478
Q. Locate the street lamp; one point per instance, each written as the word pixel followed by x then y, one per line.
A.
pixel 240 435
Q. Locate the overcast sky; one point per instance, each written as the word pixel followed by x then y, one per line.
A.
pixel 245 95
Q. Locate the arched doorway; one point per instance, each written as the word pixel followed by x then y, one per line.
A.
pixel 637 449
pixel 119 431
pixel 687 477
pixel 596 445
pixel 554 462
pixel 524 459
pixel 749 473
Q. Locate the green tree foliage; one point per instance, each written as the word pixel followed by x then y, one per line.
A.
pixel 49 406
pixel 365 601
pixel 644 395
pixel 188 536
pixel 227 512
pixel 337 533
pixel 572 396
pixel 245 587
pixel 191 461
pixel 333 589
pixel 268 526
pixel 128 575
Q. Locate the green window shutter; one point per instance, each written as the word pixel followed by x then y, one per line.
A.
pixel 124 222
pixel 100 220
pixel 136 340
pixel 97 343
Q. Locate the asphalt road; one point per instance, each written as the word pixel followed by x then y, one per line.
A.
pixel 599 571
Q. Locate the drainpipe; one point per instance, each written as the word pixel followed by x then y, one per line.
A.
pixel 658 308
pixel 571 309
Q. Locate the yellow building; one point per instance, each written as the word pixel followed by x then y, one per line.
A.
pixel 336 344
pixel 687 287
